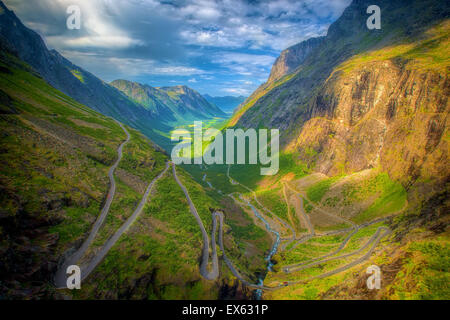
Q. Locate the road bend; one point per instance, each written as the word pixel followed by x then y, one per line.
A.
pixel 61 276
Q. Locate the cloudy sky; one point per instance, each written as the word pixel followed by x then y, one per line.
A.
pixel 219 47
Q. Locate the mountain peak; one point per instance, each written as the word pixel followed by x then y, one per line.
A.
pixel 4 7
pixel 292 57
pixel 176 104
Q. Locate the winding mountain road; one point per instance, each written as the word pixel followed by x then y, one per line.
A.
pixel 284 223
pixel 214 273
pixel 324 259
pixel 61 276
pixel 86 270
pixel 301 214
pixel 373 241
pixel 356 262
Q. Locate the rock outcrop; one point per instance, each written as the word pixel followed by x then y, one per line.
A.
pixel 292 57
pixel 380 114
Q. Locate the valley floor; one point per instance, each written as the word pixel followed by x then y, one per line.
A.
pixel 327 231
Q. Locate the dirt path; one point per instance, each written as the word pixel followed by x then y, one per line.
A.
pixel 288 206
pixel 303 195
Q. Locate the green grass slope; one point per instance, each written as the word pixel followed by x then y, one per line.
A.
pixel 55 155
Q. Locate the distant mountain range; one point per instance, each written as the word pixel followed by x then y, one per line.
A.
pixel 153 111
pixel 173 104
pixel 228 103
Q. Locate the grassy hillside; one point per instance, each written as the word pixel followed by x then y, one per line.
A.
pixel 413 258
pixel 55 157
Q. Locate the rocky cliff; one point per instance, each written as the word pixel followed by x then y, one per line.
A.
pixel 286 103
pixel 380 114
pixel 367 98
pixel 292 57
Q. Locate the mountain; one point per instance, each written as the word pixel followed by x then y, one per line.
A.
pixel 282 70
pixel 292 57
pixel 192 102
pixel 368 110
pixel 56 155
pixel 176 105
pixel 228 103
pixel 363 180
pixel 285 103
pixel 355 87
pixel 74 81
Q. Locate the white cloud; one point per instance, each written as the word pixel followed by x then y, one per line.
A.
pixel 110 42
pixel 244 64
pixel 244 58
pixel 128 67
pixel 201 10
pixel 266 24
pixel 237 91
pixel 201 40
pixel 98 27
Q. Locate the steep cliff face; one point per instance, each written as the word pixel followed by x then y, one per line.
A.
pixel 380 114
pixel 386 109
pixel 292 57
pixel 364 98
pixel 286 103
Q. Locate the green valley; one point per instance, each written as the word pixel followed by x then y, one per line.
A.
pixel 361 178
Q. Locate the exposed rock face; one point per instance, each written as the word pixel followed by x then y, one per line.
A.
pixel 291 58
pixel 379 111
pixel 287 105
pixel 380 114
